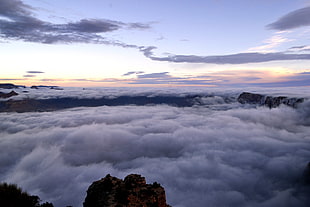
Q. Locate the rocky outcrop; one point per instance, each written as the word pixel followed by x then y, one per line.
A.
pixel 250 98
pixel 49 87
pixel 271 102
pixel 130 192
pixel 8 95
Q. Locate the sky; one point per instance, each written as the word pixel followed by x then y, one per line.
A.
pixel 155 43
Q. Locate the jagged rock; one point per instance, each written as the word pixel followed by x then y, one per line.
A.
pixel 130 192
pixel 271 102
pixel 250 98
pixel 8 95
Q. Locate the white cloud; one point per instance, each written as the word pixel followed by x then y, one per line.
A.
pixel 269 45
pixel 237 156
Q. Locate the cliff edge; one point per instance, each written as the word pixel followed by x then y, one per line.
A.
pixel 271 102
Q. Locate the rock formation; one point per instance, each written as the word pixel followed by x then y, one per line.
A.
pixel 271 102
pixel 130 192
pixel 250 98
pixel 48 87
pixel 8 95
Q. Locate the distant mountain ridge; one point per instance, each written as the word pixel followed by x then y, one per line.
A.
pixel 24 104
pixel 52 104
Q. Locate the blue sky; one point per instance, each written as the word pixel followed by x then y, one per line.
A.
pixel 155 43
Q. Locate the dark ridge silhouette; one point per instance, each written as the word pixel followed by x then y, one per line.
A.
pixel 28 105
pixel 10 86
pixel 52 104
pixel 49 87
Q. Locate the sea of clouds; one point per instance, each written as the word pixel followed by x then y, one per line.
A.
pixel 112 92
pixel 236 156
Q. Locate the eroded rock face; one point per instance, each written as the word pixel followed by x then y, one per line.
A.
pixel 130 192
pixel 250 98
pixel 271 102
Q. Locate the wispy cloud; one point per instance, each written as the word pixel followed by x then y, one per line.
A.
pixel 292 20
pixel 11 79
pixel 302 48
pixel 133 73
pixel 154 75
pixel 239 58
pixel 165 78
pixel 270 44
pixel 19 23
pixel 34 71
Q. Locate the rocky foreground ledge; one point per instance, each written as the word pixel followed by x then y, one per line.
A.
pixel 107 192
pixel 130 192
pixel 110 191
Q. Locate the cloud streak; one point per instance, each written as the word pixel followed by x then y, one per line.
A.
pixel 239 58
pixel 34 71
pixel 133 73
pixel 292 20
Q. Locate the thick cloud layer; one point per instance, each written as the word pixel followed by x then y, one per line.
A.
pixel 236 157
pixel 112 92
